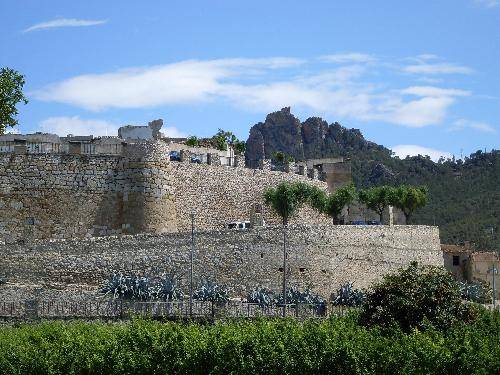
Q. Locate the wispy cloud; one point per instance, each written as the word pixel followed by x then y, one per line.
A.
pixel 64 125
pixel 436 68
pixel 344 91
pixel 488 3
pixel 413 150
pixel 462 124
pixel 433 91
pixel 352 57
pixel 63 22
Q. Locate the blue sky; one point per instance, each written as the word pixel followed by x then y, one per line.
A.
pixel 414 76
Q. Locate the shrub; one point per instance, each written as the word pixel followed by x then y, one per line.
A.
pixel 261 346
pixel 416 297
pixel 212 292
pixel 348 296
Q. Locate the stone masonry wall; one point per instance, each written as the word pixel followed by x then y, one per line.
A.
pixel 320 256
pixel 218 195
pixel 66 196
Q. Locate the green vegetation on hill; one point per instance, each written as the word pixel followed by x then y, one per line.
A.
pixel 463 195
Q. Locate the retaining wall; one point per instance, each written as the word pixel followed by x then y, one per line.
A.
pixel 320 256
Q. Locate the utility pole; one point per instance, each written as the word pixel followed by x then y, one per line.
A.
pixel 494 271
pixel 284 269
pixel 191 268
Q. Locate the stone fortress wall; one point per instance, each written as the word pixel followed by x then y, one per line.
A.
pixel 320 256
pixel 54 195
pixel 68 219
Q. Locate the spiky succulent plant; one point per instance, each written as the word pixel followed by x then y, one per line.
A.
pixel 127 287
pixel 212 292
pixel 167 288
pixel 261 296
pixel 347 295
pixel 479 293
pixel 295 296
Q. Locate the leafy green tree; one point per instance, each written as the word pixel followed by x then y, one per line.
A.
pixel 11 93
pixel 409 198
pixel 192 141
pixel 240 147
pixel 332 204
pixel 280 157
pixel 416 297
pixel 377 198
pixel 223 139
pixel 287 198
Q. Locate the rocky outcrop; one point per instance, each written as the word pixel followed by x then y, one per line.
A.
pixel 313 138
pixel 281 131
pixel 380 174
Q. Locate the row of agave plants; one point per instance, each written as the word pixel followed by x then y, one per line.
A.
pixel 166 287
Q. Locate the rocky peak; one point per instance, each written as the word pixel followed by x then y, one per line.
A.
pixel 282 131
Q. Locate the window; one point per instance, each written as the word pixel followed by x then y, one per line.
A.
pixel 456 260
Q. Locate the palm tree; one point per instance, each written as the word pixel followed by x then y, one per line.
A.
pixel 286 199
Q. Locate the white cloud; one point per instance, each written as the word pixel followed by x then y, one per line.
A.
pixel 488 3
pixel 415 113
pixel 342 58
pixel 413 150
pixel 437 68
pixel 462 124
pixel 64 125
pixel 253 84
pixel 427 56
pixel 12 131
pixel 172 131
pixel 183 82
pixel 64 22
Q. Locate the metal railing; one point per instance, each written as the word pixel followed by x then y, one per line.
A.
pixel 123 309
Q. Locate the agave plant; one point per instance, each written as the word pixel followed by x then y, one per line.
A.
pixel 127 286
pixel 479 293
pixel 261 296
pixel 348 296
pixel 212 292
pixel 167 288
pixel 295 296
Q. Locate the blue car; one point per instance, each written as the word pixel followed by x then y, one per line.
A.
pixel 196 159
pixel 358 222
pixel 175 156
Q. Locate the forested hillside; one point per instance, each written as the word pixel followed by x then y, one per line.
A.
pixel 464 195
